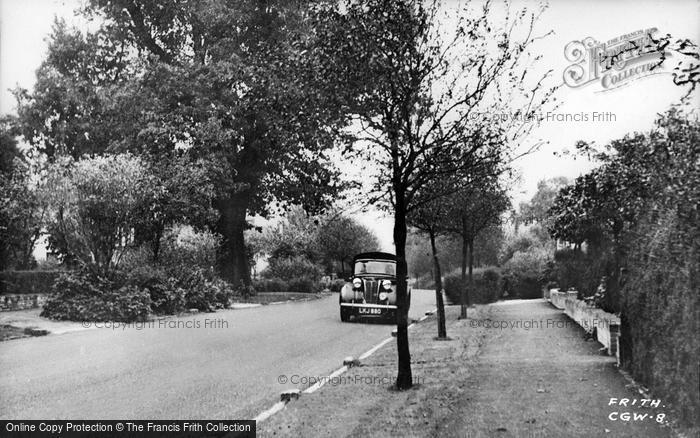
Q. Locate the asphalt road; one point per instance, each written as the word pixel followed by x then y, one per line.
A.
pixel 223 365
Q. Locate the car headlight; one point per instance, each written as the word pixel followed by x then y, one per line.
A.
pixel 382 296
pixel 357 283
pixel 386 284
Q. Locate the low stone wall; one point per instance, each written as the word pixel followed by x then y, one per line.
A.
pixel 558 298
pixel 606 326
pixel 21 301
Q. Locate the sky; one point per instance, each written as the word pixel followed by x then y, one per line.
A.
pixel 24 25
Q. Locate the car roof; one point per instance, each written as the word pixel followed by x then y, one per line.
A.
pixel 374 255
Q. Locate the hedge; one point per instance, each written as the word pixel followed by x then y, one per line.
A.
pixel 487 287
pixel 27 282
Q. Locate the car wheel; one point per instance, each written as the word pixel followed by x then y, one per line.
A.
pixel 344 314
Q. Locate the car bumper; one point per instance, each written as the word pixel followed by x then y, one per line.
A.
pixel 370 310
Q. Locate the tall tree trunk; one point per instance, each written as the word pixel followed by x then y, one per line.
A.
pixel 404 379
pixel 155 240
pixel 233 261
pixel 471 270
pixel 442 330
pixel 463 282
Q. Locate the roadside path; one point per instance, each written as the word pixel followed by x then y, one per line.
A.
pixel 547 380
pixel 536 377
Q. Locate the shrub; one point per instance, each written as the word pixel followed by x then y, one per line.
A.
pixel 167 297
pixel 453 288
pixel 183 276
pixel 98 199
pixel 184 248
pixel 524 273
pixel 486 287
pixel 580 270
pixel 206 293
pixel 303 284
pixel 84 296
pixel 245 291
pixel 271 285
pixel 337 284
pixel 293 267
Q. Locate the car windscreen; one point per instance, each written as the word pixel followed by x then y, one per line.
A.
pixel 386 267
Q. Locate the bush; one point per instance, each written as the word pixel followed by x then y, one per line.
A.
pixel 486 287
pixel 293 268
pixel 453 288
pixel 84 296
pixel 167 298
pixel 576 269
pixel 337 284
pixel 245 291
pixel 98 199
pixel 302 284
pixel 524 273
pixel 184 249
pixel 27 282
pixel 183 276
pixel 270 285
pixel 205 292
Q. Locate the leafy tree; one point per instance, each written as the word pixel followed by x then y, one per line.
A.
pixel 232 83
pixel 75 106
pixel 413 96
pixel 292 237
pixel 419 253
pixel 474 210
pixel 537 209
pixel 95 204
pixel 180 191
pixel 432 218
pixel 8 145
pixel 339 238
pixel 487 245
pixel 23 215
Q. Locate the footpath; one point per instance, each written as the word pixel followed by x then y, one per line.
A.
pixel 512 369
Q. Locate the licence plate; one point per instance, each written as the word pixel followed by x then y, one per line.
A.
pixel 369 311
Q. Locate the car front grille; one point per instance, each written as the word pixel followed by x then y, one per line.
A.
pixel 371 291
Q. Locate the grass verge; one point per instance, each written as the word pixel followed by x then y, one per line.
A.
pixel 363 402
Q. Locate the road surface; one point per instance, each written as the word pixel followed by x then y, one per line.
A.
pixel 223 365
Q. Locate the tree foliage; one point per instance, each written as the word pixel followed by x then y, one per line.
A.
pixel 23 215
pixel 233 83
pixel 95 203
pixel 537 209
pixel 413 93
pixel 639 211
pixel 339 238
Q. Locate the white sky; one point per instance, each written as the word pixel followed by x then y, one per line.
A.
pixel 25 23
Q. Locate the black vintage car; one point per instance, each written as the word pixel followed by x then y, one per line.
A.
pixel 371 291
